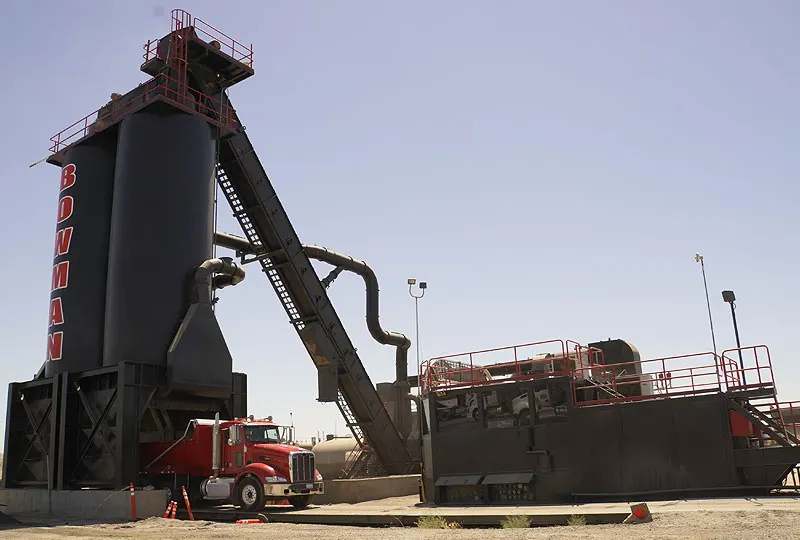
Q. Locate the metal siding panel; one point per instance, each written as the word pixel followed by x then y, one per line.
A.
pixel 702 442
pixel 596 449
pixel 649 457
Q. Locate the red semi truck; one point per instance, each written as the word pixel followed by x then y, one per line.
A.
pixel 242 461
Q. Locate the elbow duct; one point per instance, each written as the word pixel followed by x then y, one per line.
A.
pixel 215 274
pixel 400 341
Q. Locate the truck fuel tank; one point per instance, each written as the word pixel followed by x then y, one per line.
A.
pixel 217 488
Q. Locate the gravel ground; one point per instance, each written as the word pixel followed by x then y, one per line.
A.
pixel 777 525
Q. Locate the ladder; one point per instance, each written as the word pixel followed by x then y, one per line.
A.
pixel 350 419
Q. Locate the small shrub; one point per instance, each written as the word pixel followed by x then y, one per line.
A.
pixel 436 522
pixel 516 522
pixel 576 520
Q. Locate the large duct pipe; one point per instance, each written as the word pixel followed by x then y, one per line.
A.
pixel 400 341
pixel 236 243
pixel 229 273
pixel 402 408
pixel 352 265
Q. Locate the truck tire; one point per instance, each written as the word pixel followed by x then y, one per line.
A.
pixel 250 494
pixel 300 502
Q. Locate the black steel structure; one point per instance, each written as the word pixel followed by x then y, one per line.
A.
pixel 164 204
pixel 78 297
pixel 153 355
pixel 598 423
pixel 134 348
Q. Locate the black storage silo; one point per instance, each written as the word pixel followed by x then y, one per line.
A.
pixel 161 231
pixel 78 286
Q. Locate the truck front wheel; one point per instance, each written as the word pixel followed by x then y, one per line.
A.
pixel 250 494
pixel 300 502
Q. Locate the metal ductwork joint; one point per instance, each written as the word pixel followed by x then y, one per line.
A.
pixel 215 274
pixel 200 336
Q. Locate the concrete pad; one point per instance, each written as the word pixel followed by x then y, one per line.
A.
pixel 406 511
pixel 83 504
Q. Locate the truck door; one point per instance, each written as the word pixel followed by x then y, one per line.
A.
pixel 233 451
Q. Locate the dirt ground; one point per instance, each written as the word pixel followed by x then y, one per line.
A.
pixel 775 525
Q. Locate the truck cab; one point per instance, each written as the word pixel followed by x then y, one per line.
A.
pixel 242 461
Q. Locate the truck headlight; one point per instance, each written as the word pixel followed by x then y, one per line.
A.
pixel 276 479
pixel 317 476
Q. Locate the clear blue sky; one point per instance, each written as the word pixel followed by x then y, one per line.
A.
pixel 549 168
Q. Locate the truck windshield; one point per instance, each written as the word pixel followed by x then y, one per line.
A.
pixel 262 434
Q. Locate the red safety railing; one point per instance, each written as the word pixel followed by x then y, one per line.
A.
pixel 160 87
pixel 519 362
pixel 748 368
pixel 785 413
pixel 207 33
pixel 689 374
pixel 596 383
pixel 236 50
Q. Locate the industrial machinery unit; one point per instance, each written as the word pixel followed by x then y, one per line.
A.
pixel 593 423
pixel 134 350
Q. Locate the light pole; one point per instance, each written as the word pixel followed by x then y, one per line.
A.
pixel 420 413
pixel 730 298
pixel 422 286
pixel 699 258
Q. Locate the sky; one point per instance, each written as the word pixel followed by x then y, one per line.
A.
pixel 549 168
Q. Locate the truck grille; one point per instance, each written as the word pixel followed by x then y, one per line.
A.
pixel 302 467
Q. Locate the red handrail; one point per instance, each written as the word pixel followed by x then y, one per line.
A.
pixel 748 367
pixel 467 369
pixel 628 381
pixel 671 376
pixel 159 87
pixel 786 413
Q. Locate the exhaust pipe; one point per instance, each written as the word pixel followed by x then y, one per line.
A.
pixel 216 444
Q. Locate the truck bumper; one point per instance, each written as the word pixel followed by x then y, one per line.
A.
pixel 292 490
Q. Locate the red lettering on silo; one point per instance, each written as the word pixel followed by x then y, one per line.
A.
pixel 64 208
pixel 60 275
pixel 55 344
pixel 56 311
pixel 63 239
pixel 67 177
